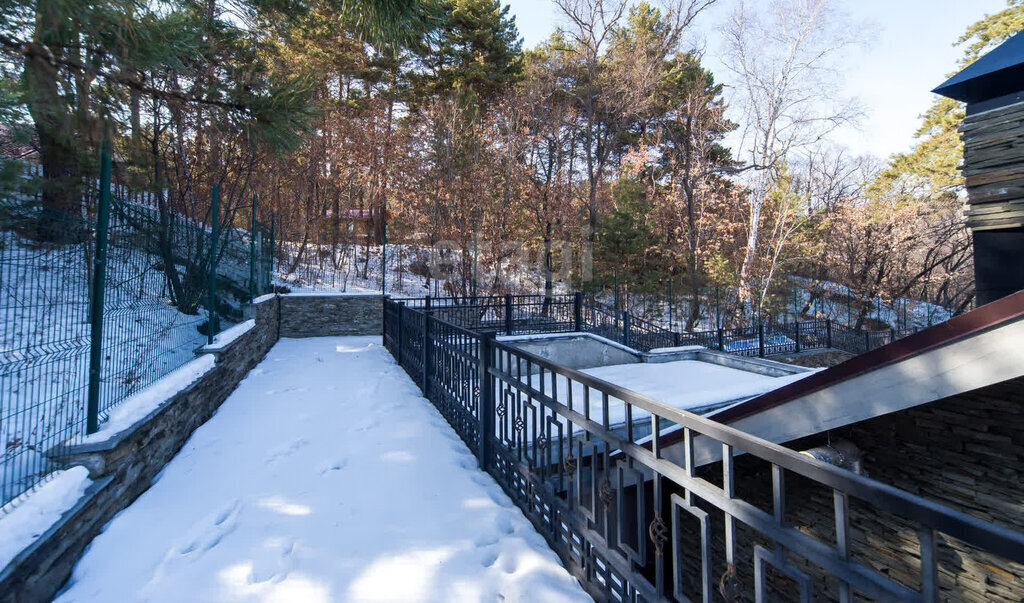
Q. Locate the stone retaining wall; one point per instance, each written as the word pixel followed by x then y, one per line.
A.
pixel 324 315
pixel 965 452
pixel 124 465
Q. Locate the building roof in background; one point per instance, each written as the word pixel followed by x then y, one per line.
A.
pixel 13 148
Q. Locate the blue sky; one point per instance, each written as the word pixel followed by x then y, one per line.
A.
pixel 892 77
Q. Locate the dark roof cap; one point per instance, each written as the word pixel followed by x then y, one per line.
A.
pixel 998 73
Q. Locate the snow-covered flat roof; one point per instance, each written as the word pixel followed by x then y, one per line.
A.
pixel 690 384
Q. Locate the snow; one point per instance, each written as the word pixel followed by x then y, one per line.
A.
pixel 674 350
pixel 226 337
pixel 569 335
pixel 325 476
pixel 685 384
pixel 351 291
pixel 690 384
pixel 320 268
pixel 139 405
pixel 37 511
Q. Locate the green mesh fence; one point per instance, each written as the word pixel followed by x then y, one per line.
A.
pixel 155 315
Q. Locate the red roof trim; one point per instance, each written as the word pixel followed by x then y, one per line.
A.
pixel 990 315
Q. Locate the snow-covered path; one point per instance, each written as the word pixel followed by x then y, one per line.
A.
pixel 324 477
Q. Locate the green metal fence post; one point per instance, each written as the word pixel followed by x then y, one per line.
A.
pixel 670 300
pixel 718 309
pixel 252 252
pixel 384 256
pixel 99 279
pixel 475 264
pixel 273 226
pixel 212 287
pixel 616 293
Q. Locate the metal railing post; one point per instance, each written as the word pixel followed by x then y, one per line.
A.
pixel 760 340
pixel 426 353
pixel 99 281
pixel 721 339
pixel 401 339
pixel 486 405
pixel 625 329
pixel 867 341
pixel 828 332
pixel 577 311
pixel 796 325
pixel 212 286
pixel 508 313
pixel 675 339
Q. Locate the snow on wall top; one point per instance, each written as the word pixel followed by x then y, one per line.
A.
pixel 140 405
pixel 34 514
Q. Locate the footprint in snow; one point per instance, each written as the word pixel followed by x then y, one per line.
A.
pixel 485 540
pixel 488 558
pixel 287 390
pixel 208 532
pixel 331 466
pixel 508 564
pixel 287 450
pixel 273 562
pixel 500 499
pixel 481 480
pixel 504 525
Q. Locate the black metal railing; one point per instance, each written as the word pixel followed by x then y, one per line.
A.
pixel 584 461
pixel 535 314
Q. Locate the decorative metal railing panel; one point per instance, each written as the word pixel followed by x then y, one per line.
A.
pixel 584 461
pixel 535 314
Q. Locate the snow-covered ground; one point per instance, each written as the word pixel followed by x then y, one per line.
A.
pixel 325 476
pixel 341 268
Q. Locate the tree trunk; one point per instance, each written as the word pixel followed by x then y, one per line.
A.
pixel 61 219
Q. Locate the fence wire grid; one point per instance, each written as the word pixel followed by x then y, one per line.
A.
pixel 155 314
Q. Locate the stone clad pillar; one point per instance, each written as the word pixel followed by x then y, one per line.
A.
pixel 993 167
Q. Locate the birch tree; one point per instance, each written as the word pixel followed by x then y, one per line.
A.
pixel 783 60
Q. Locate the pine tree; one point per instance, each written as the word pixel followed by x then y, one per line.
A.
pixel 933 163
